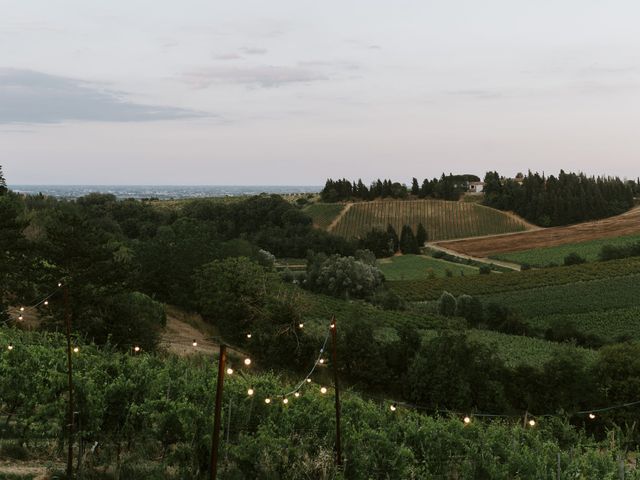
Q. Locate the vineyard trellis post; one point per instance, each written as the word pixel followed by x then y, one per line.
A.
pixel 334 361
pixel 67 321
pixel 215 441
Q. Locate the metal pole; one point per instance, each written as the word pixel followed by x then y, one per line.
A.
pixel 218 410
pixel 67 312
pixel 334 344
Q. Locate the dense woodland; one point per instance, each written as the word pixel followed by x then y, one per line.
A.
pixel 567 198
pixel 447 187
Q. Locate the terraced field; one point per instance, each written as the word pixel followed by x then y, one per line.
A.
pixel 442 219
pixel 622 225
pixel 323 214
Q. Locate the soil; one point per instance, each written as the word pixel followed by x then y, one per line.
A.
pixel 336 220
pixel 626 224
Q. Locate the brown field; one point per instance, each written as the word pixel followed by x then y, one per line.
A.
pixel 626 224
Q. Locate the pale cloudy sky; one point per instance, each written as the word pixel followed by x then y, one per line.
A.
pixel 294 91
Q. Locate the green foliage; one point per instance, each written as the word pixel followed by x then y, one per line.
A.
pixel 408 243
pixel 342 276
pixel 231 292
pixel 421 235
pixel 574 259
pixel 3 183
pixel 447 305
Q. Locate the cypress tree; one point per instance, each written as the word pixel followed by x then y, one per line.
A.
pixel 415 188
pixel 421 235
pixel 394 241
pixel 3 183
pixel 408 243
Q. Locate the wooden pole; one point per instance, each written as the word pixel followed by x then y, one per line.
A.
pixel 67 314
pixel 215 442
pixel 334 345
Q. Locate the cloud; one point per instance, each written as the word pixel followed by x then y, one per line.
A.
pixel 33 97
pixel 253 50
pixel 227 56
pixel 477 93
pixel 264 76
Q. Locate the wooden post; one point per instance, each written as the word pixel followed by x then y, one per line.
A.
pixel 215 441
pixel 67 314
pixel 334 345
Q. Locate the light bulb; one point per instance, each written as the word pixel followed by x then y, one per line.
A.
pixel 297 394
pixel 267 400
pixel 247 361
pixel 248 335
pixel 301 325
pixel 323 390
pixel 46 302
pixel 308 380
pixel 592 416
pixel 10 347
pixel 285 400
pixel 229 371
pixel 76 349
pixel 393 407
pixel 136 349
pixel 333 325
pixel 532 423
pixel 195 344
pixel 250 392
pixel 22 309
pixel 59 284
pixel 20 317
pixel 466 420
pixel 321 361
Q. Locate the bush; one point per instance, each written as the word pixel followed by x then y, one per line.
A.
pixel 485 270
pixel 573 259
pixel 447 305
pixel 525 266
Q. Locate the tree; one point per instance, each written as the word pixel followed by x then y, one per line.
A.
pixel 408 243
pixel 231 292
pixel 393 237
pixel 342 276
pixel 421 235
pixel 415 187
pixel 3 183
pixel 447 304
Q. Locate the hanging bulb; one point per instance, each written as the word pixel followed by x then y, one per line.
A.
pixel 229 371
pixel 250 392
pixel 466 420
pixel 321 361
pixel 592 416
pixel 76 349
pixel 308 380
pixel 22 309
pixel 323 390
pixel 333 325
pixel 393 407
pixel 247 361
pixel 532 423
pixel 248 335
pixel 285 400
pixel 267 401
pixel 297 394
pixel 46 302
pixel 20 317
pixel 10 347
pixel 136 349
pixel 59 284
pixel 195 343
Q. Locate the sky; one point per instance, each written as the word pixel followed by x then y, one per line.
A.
pixel 290 92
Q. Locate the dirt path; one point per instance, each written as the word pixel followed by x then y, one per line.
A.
pixel 336 220
pixel 488 261
pixel 626 224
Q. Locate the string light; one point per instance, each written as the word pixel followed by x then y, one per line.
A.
pixel 59 284
pixel 247 361
pixel 532 423
pixel 308 380
pixel 321 361
pixel 195 344
pixel 297 394
pixel 46 303
pixel 466 420
pixel 136 349
pixel 592 416
pixel 393 407
pixel 20 317
pixel 301 325
pixel 22 309
pixel 250 392
pixel 229 371
pixel 333 325
pixel 323 390
pixel 10 347
pixel 285 400
pixel 248 335
pixel 267 400
pixel 76 349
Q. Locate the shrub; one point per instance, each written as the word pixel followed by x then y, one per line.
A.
pixel 485 270
pixel 447 305
pixel 574 259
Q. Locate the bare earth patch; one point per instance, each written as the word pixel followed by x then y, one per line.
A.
pixel 626 224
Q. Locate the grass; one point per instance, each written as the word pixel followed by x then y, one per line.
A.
pixel 418 267
pixel 323 213
pixel 443 219
pixel 540 257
